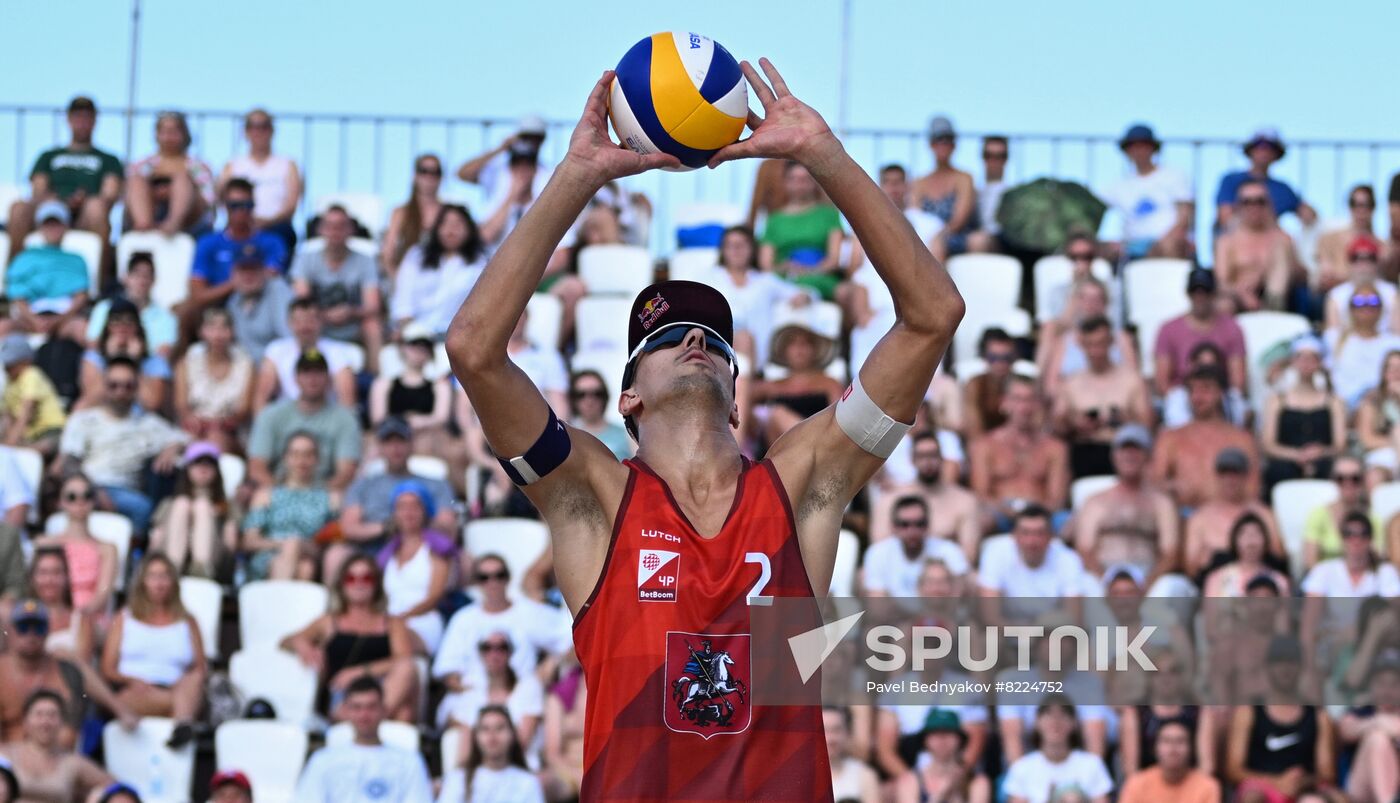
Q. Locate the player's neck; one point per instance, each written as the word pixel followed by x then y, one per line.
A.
pixel 690 455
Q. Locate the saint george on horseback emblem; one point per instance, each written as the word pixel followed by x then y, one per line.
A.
pixel 706 686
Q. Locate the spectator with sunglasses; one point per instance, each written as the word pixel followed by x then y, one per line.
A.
pixel 217 253
pixel 496 684
pixel 1254 260
pixel 1322 530
pixel 92 564
pixel 170 191
pixel 1357 349
pixel 983 394
pixel 892 566
pixel 1262 149
pixel 1156 203
pixel 276 181
pixel 1333 246
pixel 996 150
pixel 1363 254
pixel 408 223
pixel 588 406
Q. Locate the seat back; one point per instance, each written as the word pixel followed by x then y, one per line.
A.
pixel 107 527
pixel 1292 501
pixel 232 469
pixel 1054 271
pixel 1155 292
pixel 277 676
pixel 1262 331
pixel 615 269
pixel 519 542
pixel 600 323
pixel 204 599
pixel 1084 487
pixel 692 264
pixel 271 610
pixel 270 753
pixel 546 314
pixel 141 760
pixel 173 258
pixel 1385 501
pixel 988 281
pixel 30 465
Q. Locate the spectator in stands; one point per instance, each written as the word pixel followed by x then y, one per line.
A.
pixel 123 335
pixel 1371 731
pixel 1176 404
pixel 276 181
pixel 92 564
pixel 153 652
pixel 1184 457
pixel 852 780
pixel 515 192
pixel 600 224
pixel 1305 426
pixel 947 192
pixel 86 179
pixel 409 223
pixel 277 371
pixel 344 284
pixel 343 772
pixel 258 303
pixel 284 519
pixel 17 496
pixel 1157 203
pixel 1058 769
pixel 562 754
pixel 44 766
pixel 1356 353
pixel 984 394
pixel 1252 553
pixel 1322 530
pixel 9 784
pixel 953 511
pixel 424 403
pixel 802 239
pixel 1081 248
pixel 217 254
pixel 195 527
pixel 1333 246
pixel 1254 259
pixel 939 773
pixel 996 150
pixel 532 627
pixel 495 684
pixel 118 443
pixel 496 769
pixel 358 638
pixel 71 632
pixel 1019 463
pixel 434 278
pixel 588 406
pixel 1263 149
pixel 769 193
pixel 417 564
pixel 119 793
pixel 1059 352
pixel 162 327
pixel 1205 322
pixel 491 170
pixel 230 786
pixel 214 384
pixel 1362 261
pixel 333 426
pixel 32 412
pixel 892 566
pixel 1033 563
pixel 1168 700
pixel 170 190
pixel 1092 403
pixel 1208 528
pixel 1130 522
pixel 804 352
pixel 44 276
pixel 754 295
pixel 1328 621
pixel 1175 775
pixel 1276 750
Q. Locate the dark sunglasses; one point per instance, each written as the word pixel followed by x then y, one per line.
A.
pixel 1083 256
pixel 905 524
pixel 1253 200
pixel 993 156
pixel 74 496
pixel 1369 300
pixel 579 395
pixel 668 338
pixel 28 627
pixel 494 646
pixel 239 206
pixel 1347 478
pixel 428 171
pixel 115 385
pixel 486 577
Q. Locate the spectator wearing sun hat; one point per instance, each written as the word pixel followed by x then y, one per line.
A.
pixel 1157 203
pixel 1262 149
pixel 803 344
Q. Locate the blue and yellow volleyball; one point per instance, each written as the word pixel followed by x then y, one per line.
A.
pixel 678 93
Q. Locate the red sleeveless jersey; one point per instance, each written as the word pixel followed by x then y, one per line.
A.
pixel 664 641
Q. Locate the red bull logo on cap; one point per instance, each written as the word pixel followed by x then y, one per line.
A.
pixel 652 310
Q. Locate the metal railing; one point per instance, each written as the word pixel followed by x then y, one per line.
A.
pixel 374 153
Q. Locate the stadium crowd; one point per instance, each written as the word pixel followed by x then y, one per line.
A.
pixel 289 425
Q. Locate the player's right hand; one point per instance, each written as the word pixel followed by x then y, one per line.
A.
pixel 789 129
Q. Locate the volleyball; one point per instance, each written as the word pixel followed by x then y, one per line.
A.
pixel 678 93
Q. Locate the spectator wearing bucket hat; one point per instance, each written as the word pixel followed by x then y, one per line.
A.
pixel 939 773
pixel 803 345
pixel 1157 203
pixel 1263 148
pixel 45 274
pixel 30 408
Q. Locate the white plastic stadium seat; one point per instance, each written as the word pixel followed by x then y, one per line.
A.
pixel 270 610
pixel 966 369
pixel 397 734
pixel 425 466
pixel 4 255
pixel 270 753
pixel 1385 501
pixel 987 281
pixel 843 574
pixel 1055 270
pixel 365 207
pixel 615 269
pixel 600 323
pixel 232 469
pixel 692 264
pixel 277 676
pixel 519 542
pixel 978 319
pixel 204 599
pixel 83 243
pixel 1263 331
pixel 701 225
pixel 447 749
pixel 111 528
pixel 359 245
pixel 1084 487
pixel 141 760
pixel 542 327
pixel 31 468
pixel 1155 292
pixel 173 257
pixel 1292 501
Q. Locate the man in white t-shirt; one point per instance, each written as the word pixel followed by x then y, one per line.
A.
pixel 364 771
pixel 277 373
pixel 1157 203
pixel 1033 565
pixel 893 565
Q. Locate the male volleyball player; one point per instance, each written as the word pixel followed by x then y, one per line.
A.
pixel 659 557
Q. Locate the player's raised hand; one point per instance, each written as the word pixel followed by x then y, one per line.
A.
pixel 788 129
pixel 592 149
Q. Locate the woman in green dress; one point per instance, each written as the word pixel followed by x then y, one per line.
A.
pixel 802 240
pixel 279 531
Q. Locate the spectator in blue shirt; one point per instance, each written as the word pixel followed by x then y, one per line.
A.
pixel 1262 149
pixel 212 273
pixel 46 273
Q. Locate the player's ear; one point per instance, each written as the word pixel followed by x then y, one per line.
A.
pixel 734 417
pixel 629 403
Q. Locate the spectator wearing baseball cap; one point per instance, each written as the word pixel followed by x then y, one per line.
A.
pixel 492 169
pixel 46 275
pixel 334 426
pixel 1204 322
pixel 230 786
pixel 1362 254
pixel 258 303
pixel 33 413
pixel 1157 203
pixel 85 179
pixel 1263 148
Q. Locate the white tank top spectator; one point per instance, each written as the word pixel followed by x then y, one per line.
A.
pixel 276 181
pixel 417 564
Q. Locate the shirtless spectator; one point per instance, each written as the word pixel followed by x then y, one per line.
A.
pixel 952 509
pixel 1019 463
pixel 1208 529
pixel 1185 456
pixel 1155 202
pixel 1362 268
pixel 1130 522
pixel 1262 149
pixel 1203 323
pixel 892 567
pixel 1255 260
pixel 983 394
pixel 1090 405
pixel 1333 246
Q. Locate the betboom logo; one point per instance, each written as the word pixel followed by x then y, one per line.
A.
pixel 658 574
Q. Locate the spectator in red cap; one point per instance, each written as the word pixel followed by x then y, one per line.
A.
pixel 1332 246
pixel 1362 254
pixel 230 786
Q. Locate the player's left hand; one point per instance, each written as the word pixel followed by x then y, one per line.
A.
pixel 592 149
pixel 789 129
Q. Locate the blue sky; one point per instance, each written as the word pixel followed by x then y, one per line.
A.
pixel 1191 67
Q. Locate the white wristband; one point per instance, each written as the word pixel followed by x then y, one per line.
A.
pixel 866 424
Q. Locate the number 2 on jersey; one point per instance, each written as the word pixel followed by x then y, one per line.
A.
pixel 765 573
